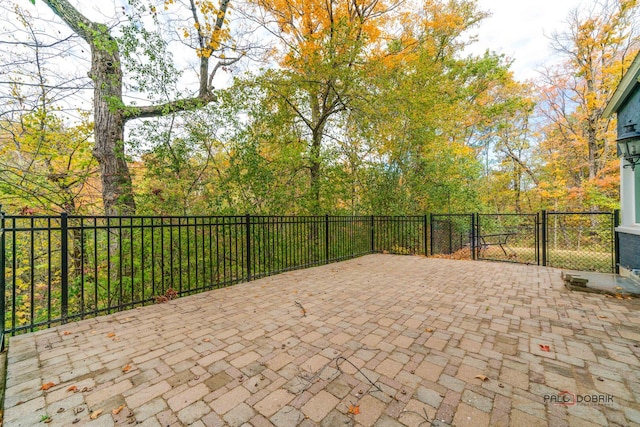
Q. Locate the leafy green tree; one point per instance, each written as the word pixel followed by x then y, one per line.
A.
pixel 46 166
pixel 111 113
pixel 578 146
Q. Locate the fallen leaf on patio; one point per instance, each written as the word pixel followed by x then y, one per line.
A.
pixel 73 388
pixel 429 330
pixel 354 409
pixel 544 347
pixel 206 339
pixel 117 410
pixel 66 333
pixel 126 368
pixel 95 414
pixel 111 335
pixel 602 317
pixel 47 386
pixel 482 377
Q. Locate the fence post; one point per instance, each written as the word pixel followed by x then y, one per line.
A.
pixel 430 234
pixel 64 266
pixel 474 225
pixel 3 283
pixel 537 238
pixel 326 238
pixel 543 236
pixel 616 241
pixel 424 228
pixel 373 236
pixel 248 244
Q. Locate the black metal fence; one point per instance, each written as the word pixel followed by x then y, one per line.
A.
pixel 452 233
pixel 62 268
pixel 572 240
pixel 580 241
pixel 57 269
pixel 509 237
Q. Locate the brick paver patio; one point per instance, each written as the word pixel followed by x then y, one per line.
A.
pixel 380 340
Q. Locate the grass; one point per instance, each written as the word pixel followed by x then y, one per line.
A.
pixel 570 259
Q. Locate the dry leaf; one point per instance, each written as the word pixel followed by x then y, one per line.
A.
pixel 482 377
pixel 544 347
pixel 354 409
pixel 429 330
pixel 126 368
pixel 206 339
pixel 602 317
pixel 111 335
pixel 47 386
pixel 66 333
pixel 73 388
pixel 117 410
pixel 95 414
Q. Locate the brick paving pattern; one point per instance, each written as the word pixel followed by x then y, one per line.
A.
pixel 383 340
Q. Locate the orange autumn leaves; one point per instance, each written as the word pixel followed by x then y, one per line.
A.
pixel 47 386
pixel 321 32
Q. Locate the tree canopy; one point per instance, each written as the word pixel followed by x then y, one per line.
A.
pixel 302 106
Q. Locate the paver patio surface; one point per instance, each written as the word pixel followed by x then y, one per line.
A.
pixel 380 340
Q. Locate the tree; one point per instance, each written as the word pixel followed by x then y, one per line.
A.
pixel 45 166
pixel 597 47
pixel 110 111
pixel 324 52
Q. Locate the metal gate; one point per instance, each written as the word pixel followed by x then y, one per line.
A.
pixel 508 237
pixel 451 234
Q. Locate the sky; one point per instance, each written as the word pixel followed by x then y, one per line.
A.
pixel 520 30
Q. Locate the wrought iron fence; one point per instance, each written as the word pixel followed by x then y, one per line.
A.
pixel 62 268
pixel 405 235
pixel 57 269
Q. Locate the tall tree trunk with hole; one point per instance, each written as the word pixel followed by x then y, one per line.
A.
pixel 110 112
pixel 106 73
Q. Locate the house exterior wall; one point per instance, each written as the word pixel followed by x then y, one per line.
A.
pixel 629 111
pixel 629 251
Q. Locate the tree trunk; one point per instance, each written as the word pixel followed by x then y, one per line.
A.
pixel 106 72
pixel 110 112
pixel 314 169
